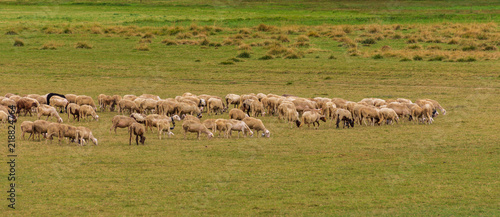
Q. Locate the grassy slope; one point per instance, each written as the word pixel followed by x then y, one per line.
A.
pixel 447 168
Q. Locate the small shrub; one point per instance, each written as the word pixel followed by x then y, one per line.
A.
pixel 434 47
pixel 83 45
pixel 266 57
pixel 368 41
pixel 18 42
pixel 68 30
pixel 244 54
pixel 437 58
pixel 417 58
pixel 405 59
pixel 468 59
pixel 174 30
pixel 96 30
pixel 236 60
pixel 227 62
pixel 301 44
pixel 277 50
pixel 377 57
pixel 142 47
pixel 145 40
pixel 50 46
pixel 214 44
pixel 411 41
pixel 373 29
pixel 302 38
pixel 169 42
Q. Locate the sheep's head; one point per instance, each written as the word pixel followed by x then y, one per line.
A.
pixel 266 134
pixel 94 140
pixel 175 117
pixel 59 120
pixel 96 117
pixel 323 118
pixel 143 139
pixel 210 135
pixel 350 122
pixel 297 122
pixel 435 113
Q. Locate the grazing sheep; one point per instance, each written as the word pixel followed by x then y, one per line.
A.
pixel 8 102
pixel 196 127
pixel 237 114
pixel 312 117
pixel 328 110
pixel 401 109
pixel 370 113
pixel 27 127
pixel 215 105
pixel 236 125
pixel 150 96
pixel 129 105
pixel 86 135
pixel 106 101
pixel 188 108
pixel 139 131
pixel 427 112
pixel 54 129
pixel 49 111
pixel 58 102
pixel 345 116
pixel 74 110
pixel 86 110
pixel 232 99
pixel 340 103
pixel 130 97
pixel 166 107
pixel 272 104
pixel 148 105
pixel 140 118
pixel 38 98
pixel 27 104
pixel 257 108
pixel 210 124
pixel 39 128
pixel 223 126
pixel 70 132
pixel 120 121
pixel 164 125
pixel 403 100
pixel 153 120
pixel 5 117
pixel 389 115
pixel 437 105
pixel 71 98
pixel 85 100
pixel 190 118
pixel 257 125
pixel 416 113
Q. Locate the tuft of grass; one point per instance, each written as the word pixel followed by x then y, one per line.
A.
pixel 302 38
pixel 245 47
pixel 293 54
pixel 244 54
pixel 405 59
pixel 385 48
pixel 397 36
pixel 11 32
pixel 142 47
pixel 417 58
pixel 148 35
pixel 18 42
pixel 266 57
pixel 454 41
pixel 264 28
pixel 469 48
pixel 490 48
pixel 227 62
pixel 467 59
pixel 301 44
pixel 283 38
pixel 204 42
pixel 377 57
pixel 437 58
pixel 245 31
pixel 373 29
pixel 368 41
pixel 182 35
pixel 168 42
pixel 51 46
pixel 347 29
pixel 412 41
pixel 83 45
pixel 332 57
pixel 313 34
pixel 414 47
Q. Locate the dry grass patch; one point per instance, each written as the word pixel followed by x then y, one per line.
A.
pixel 83 45
pixel 51 45
pixel 265 28
pixel 186 35
pixel 142 47
pixel 245 47
pixel 18 42
pixel 302 38
pixel 283 38
pixel 168 42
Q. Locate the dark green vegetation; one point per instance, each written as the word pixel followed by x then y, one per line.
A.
pixel 345 49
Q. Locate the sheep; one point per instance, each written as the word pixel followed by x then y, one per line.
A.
pixel 49 111
pixel 236 125
pixel 71 98
pixel 85 100
pixel 104 101
pixel 153 120
pixel 401 109
pixel 328 109
pixel 129 105
pixel 215 105
pixel 86 134
pixel 70 132
pixel 39 128
pixel 140 118
pixel 389 115
pixel 139 131
pixel 27 127
pixel 427 112
pixel 190 118
pixel 86 110
pixel 345 116
pixel 74 110
pixel 27 104
pixel 272 103
pixel 8 102
pixel 437 105
pixel 130 97
pixel 339 102
pixel 148 105
pixel 164 125
pixel 416 112
pixel 312 117
pixel 403 100
pixel 54 129
pixel 257 107
pixel 422 102
pixel 372 114
pixel 237 114
pixel 196 127
pixel 121 122
pixel 223 126
pixel 58 102
pixel 188 108
pixel 38 98
pixel 232 99
pixel 166 107
pixel 257 125
pixel 210 124
pixel 150 96
pixel 5 117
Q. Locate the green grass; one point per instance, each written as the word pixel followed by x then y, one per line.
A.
pixel 448 168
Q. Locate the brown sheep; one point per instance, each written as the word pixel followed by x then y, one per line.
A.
pixel 401 109
pixel 85 100
pixel 312 117
pixel 237 114
pixel 104 101
pixel 210 124
pixel 188 108
pixel 74 110
pixel 39 128
pixel 139 131
pixel 49 111
pixel 120 121
pixel 153 120
pixel 27 127
pixel 148 105
pixel 257 125
pixel 166 107
pixel 70 132
pixel 54 129
pixel 86 134
pixel 196 127
pixel 86 110
pixel 372 114
pixel 223 126
pixel 27 104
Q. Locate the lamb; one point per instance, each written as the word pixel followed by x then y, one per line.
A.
pixel 74 110
pixel 257 108
pixel 86 134
pixel 257 125
pixel 39 127
pixel 49 111
pixel 345 116
pixel 86 100
pixel 215 105
pixel 237 114
pixel 236 125
pixel 86 110
pixel 27 104
pixel 196 127
pixel 389 115
pixel 312 117
pixel 129 105
pixel 27 127
pixel 164 125
pixel 121 122
pixel 58 102
pixel 138 130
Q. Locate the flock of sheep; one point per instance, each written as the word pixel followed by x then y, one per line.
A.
pixel 141 113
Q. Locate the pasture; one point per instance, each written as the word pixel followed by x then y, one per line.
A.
pixel 442 50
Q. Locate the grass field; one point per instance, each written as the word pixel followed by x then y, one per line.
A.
pixel 443 50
